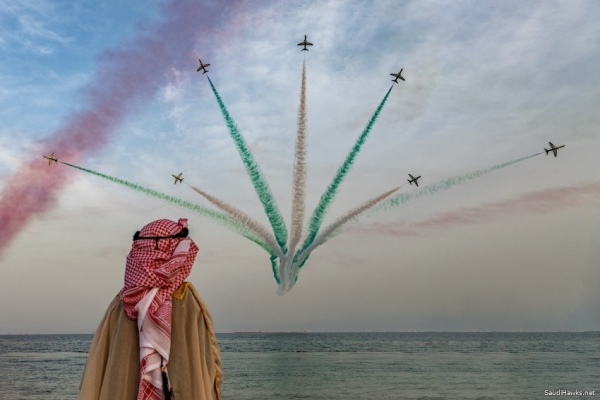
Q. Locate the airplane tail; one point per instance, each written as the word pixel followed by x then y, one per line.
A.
pixel 409 181
pixel 547 151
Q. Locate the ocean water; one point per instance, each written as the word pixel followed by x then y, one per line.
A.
pixel 347 366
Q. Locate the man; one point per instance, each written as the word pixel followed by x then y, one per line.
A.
pixel 156 340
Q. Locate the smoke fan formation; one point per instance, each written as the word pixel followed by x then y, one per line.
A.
pixel 286 261
pixel 88 130
pixel 290 261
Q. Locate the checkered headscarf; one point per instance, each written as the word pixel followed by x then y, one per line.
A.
pixel 155 268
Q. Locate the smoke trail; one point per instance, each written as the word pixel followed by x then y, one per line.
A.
pixel 538 202
pixel 299 185
pixel 224 220
pixel 327 198
pixel 133 72
pixel 341 221
pixel 433 188
pixel 256 176
pixel 237 214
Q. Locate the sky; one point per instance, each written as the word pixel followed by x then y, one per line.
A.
pixel 112 87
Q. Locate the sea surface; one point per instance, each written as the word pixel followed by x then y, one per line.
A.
pixel 348 366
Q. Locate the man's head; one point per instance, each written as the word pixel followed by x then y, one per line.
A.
pixel 161 235
pixel 161 256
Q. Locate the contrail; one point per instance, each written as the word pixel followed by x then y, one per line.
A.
pixel 327 198
pixel 221 218
pixel 256 176
pixel 538 202
pixel 243 218
pixel 133 72
pixel 327 233
pixel 299 180
pixel 434 188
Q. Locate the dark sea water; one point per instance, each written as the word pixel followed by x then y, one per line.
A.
pixel 349 366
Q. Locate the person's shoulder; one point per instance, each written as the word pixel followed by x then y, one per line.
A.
pixel 182 290
pixel 187 292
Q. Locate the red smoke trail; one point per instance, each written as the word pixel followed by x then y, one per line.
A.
pixel 539 202
pixel 134 72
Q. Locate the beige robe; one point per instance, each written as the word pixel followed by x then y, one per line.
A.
pixel 112 370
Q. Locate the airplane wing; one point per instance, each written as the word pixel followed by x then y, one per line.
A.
pixel 308 43
pixel 551 145
pixel 555 151
pixel 411 177
pixel 396 75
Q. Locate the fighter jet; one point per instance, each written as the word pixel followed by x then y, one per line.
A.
pixel 413 179
pixel 398 75
pixel 305 43
pixel 202 67
pixel 51 158
pixel 178 178
pixel 553 149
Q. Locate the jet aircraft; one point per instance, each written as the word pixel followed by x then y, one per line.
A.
pixel 305 43
pixel 413 179
pixel 51 158
pixel 553 149
pixel 178 178
pixel 202 67
pixel 398 75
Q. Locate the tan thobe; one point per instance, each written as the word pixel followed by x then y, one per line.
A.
pixel 112 371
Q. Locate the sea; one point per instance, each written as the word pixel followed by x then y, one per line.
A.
pixel 345 366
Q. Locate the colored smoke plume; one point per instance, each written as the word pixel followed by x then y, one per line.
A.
pixel 328 197
pixel 224 220
pixel 261 186
pixel 134 72
pixel 437 187
pixel 538 202
pixel 340 222
pixel 299 178
pixel 250 223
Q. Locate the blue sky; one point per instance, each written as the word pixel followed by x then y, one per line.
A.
pixel 485 83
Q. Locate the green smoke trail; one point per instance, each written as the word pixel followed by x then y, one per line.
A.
pixel 256 176
pixel 402 198
pixel 436 187
pixel 327 198
pixel 221 218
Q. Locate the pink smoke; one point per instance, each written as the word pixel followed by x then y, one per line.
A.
pixel 539 202
pixel 132 73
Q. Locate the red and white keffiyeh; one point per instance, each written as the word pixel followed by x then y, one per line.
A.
pixel 155 269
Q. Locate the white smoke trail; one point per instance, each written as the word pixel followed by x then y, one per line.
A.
pixel 243 218
pixel 299 183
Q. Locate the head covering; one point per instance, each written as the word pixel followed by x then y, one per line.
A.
pixel 160 259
